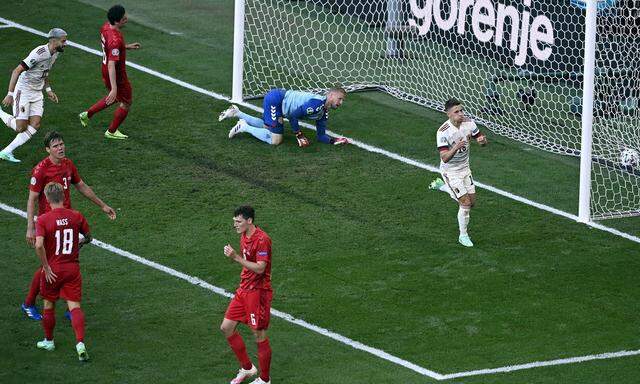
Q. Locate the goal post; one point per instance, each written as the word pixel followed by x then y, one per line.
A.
pixel 560 75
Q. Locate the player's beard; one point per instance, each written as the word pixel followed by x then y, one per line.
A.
pixel 60 49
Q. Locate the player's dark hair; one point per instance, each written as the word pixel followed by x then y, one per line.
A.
pixel 246 211
pixel 54 192
pixel 451 103
pixel 115 14
pixel 51 136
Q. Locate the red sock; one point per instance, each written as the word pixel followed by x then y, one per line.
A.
pixel 48 323
pixel 77 322
pixel 264 359
pixel 237 344
pixel 34 289
pixel 97 107
pixel 118 117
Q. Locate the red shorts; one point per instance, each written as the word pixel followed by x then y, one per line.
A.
pixel 251 307
pixel 68 283
pixel 125 94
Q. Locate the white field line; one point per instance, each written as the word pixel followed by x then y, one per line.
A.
pixel 536 364
pixel 335 336
pixel 221 291
pixel 357 143
pixel 325 332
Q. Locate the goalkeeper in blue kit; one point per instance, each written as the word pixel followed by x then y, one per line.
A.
pixel 279 104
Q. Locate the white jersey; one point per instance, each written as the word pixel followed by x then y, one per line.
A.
pixel 37 66
pixel 448 135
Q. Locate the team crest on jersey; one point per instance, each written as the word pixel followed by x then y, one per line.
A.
pixel 22 109
pixel 115 52
pixel 33 181
pixel 32 61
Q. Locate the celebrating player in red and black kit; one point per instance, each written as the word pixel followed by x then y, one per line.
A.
pixel 252 302
pixel 114 73
pixel 54 168
pixel 58 246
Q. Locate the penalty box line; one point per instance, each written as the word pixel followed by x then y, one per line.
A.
pixel 337 337
pixel 357 143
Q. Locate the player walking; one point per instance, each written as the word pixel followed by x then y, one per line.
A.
pixel 54 168
pixel 25 91
pixel 293 105
pixel 453 143
pixel 58 247
pixel 252 302
pixel 114 73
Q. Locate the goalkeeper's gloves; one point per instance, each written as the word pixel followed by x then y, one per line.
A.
pixel 302 139
pixel 340 141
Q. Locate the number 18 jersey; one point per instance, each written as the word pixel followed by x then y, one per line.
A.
pixel 61 228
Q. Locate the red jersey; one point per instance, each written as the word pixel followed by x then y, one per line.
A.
pixel 113 49
pixel 256 248
pixel 45 172
pixel 60 228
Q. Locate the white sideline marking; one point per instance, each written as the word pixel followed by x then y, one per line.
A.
pixel 357 143
pixel 335 336
pixel 536 364
pixel 323 331
pixel 220 291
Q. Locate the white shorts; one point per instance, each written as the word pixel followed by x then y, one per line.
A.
pixel 460 183
pixel 27 103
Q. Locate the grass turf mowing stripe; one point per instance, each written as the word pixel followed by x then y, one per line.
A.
pixel 220 291
pixel 342 339
pixel 359 144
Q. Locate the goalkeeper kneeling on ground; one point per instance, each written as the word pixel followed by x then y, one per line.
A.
pixel 279 104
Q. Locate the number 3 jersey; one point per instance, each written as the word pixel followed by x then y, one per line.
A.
pixel 448 135
pixel 60 228
pixel 46 172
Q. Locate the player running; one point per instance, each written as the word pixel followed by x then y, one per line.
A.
pixel 114 73
pixel 54 168
pixel 252 302
pixel 293 105
pixel 28 80
pixel 453 143
pixel 58 246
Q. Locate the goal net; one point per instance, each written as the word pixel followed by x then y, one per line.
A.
pixel 516 64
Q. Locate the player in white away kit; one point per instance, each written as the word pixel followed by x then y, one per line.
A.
pixel 453 143
pixel 25 91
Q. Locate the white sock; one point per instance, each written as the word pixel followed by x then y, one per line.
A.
pixel 20 139
pixel 463 220
pixel 8 119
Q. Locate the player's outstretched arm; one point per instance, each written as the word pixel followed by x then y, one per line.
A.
pixel 133 46
pixel 52 95
pixel 89 194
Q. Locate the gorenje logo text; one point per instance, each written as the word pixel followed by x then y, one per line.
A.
pixel 488 22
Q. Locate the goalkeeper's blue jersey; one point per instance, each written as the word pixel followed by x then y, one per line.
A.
pixel 303 105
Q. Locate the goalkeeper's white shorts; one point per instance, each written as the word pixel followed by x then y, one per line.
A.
pixel 460 182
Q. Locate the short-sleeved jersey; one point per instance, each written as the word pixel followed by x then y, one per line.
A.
pixel 60 228
pixel 298 105
pixel 448 135
pixel 113 49
pixel 256 248
pixel 45 172
pixel 36 68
